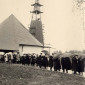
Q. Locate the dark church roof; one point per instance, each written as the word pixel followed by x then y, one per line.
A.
pixel 13 34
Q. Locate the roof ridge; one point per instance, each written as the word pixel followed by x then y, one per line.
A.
pixel 25 29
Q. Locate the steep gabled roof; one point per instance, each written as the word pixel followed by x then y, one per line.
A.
pixel 13 33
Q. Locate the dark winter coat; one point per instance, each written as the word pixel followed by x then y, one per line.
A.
pixel 51 61
pixel 74 64
pixel 23 60
pixel 80 65
pixel 14 58
pixel 63 62
pixel 57 65
pixel 39 61
pixel 44 61
pixel 33 60
pixel 27 59
pixel 66 63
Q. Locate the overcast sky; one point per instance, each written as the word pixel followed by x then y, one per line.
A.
pixel 63 26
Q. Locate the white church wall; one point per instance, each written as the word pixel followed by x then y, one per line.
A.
pixel 30 49
pixel 21 50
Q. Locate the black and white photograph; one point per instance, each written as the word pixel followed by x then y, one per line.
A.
pixel 42 42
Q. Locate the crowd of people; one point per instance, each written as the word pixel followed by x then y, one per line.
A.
pixel 74 63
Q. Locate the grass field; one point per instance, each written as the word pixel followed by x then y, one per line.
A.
pixel 13 74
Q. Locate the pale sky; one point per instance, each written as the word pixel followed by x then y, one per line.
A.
pixel 63 24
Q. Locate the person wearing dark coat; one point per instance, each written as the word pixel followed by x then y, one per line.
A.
pixel 40 59
pixel 80 65
pixel 56 64
pixel 23 58
pixel 45 61
pixel 14 58
pixel 51 62
pixel 32 60
pixel 37 61
pixel 75 64
pixel 66 64
pixel 63 60
pixel 2 58
pixel 27 59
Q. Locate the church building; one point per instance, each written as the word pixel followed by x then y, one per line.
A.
pixel 14 37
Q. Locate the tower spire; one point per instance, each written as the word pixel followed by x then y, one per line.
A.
pixel 36 13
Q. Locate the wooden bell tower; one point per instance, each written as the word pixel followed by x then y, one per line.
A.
pixel 36 23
